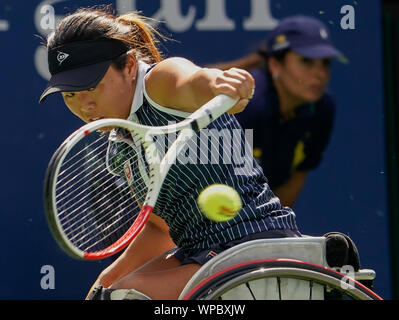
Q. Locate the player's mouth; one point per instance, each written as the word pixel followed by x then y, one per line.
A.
pixel 317 88
pixel 95 119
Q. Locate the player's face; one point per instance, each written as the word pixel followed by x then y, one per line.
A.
pixel 111 98
pixel 304 78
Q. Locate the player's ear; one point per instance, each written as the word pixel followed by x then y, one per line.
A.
pixel 131 67
pixel 274 66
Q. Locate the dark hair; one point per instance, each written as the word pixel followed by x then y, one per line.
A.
pixel 279 56
pixel 91 24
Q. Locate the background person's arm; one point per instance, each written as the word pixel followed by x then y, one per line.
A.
pixel 248 62
pixel 289 191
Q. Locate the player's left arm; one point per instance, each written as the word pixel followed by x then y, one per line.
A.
pixel 178 83
pixel 152 241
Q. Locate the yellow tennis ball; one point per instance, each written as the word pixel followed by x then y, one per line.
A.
pixel 219 202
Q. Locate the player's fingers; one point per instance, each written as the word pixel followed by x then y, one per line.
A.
pixel 246 86
pixel 243 75
pixel 234 73
pixel 236 85
pixel 239 106
pixel 227 87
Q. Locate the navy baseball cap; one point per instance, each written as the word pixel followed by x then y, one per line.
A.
pixel 304 35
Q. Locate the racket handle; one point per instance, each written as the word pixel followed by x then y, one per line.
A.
pixel 210 111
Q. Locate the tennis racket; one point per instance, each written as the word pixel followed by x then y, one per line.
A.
pixel 103 181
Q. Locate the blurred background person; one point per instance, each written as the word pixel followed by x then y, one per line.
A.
pixel 291 112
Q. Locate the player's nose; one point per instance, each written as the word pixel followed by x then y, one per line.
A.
pixel 86 102
pixel 321 71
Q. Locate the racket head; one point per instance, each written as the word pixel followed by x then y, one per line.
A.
pixel 93 207
pixel 136 203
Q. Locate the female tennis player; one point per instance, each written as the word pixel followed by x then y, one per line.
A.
pixel 108 66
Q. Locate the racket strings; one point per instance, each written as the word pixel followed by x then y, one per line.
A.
pixel 96 200
pixel 93 152
pixel 72 186
pixel 75 156
pixel 84 238
pixel 79 197
pixel 99 209
pixel 71 215
pixel 89 244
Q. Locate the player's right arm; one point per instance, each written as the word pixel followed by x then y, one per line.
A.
pixel 151 242
pixel 179 84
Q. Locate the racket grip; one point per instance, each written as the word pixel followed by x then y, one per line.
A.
pixel 211 110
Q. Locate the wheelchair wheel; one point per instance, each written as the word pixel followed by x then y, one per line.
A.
pixel 279 279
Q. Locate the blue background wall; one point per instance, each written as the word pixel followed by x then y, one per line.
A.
pixel 346 193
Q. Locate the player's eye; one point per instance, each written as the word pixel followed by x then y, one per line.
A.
pixel 307 61
pixel 91 89
pixel 69 94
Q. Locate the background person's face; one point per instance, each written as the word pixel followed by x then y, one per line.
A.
pixel 303 78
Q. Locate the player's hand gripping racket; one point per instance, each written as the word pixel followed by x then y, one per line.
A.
pixel 103 181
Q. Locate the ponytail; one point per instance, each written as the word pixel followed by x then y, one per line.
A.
pixel 142 36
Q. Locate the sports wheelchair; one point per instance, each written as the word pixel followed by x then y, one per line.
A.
pixel 278 269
